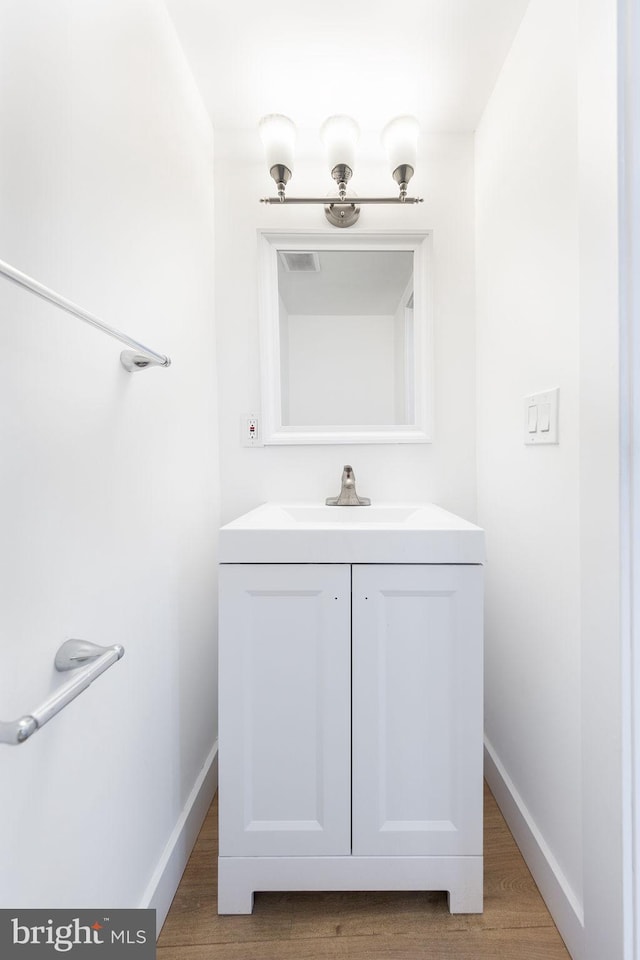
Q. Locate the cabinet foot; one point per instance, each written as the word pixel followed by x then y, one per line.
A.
pixel 467 899
pixel 466 893
pixel 235 892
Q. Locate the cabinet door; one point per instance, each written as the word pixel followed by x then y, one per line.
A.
pixel 285 712
pixel 417 710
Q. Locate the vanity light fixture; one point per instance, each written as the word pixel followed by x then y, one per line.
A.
pixel 339 135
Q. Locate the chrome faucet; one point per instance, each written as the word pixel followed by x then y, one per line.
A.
pixel 348 496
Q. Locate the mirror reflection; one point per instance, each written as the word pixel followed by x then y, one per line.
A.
pixel 346 337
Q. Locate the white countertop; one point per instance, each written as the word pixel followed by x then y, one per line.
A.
pixel 380 533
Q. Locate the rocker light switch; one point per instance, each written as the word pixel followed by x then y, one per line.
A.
pixel 541 417
pixel 545 417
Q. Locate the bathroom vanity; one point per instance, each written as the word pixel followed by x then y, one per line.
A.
pixel 350 702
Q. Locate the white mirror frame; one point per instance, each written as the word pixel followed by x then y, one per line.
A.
pixel 273 430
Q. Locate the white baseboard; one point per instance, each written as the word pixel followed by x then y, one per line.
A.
pixel 162 887
pixel 561 901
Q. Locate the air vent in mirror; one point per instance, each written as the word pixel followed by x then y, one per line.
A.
pixel 300 261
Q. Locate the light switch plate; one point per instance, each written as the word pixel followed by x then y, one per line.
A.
pixel 541 411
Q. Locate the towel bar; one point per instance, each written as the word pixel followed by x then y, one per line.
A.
pixel 72 655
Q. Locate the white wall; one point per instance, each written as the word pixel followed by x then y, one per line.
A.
pixel 528 496
pixel 109 489
pixel 443 471
pixel 547 316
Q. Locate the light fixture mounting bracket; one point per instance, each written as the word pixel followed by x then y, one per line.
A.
pixel 342 214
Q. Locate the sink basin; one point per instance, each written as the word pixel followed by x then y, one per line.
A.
pixel 317 513
pixel 381 533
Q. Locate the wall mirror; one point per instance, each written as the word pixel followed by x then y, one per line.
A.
pixel 345 338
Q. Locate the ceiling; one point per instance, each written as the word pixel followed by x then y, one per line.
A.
pixel 436 59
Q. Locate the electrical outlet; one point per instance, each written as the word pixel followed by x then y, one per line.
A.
pixel 251 432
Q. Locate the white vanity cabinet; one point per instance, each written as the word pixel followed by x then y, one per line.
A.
pixel 350 728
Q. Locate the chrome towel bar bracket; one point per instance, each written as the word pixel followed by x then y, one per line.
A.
pixel 131 360
pixel 72 655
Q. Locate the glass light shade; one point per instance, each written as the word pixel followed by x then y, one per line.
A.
pixel 400 140
pixel 340 135
pixel 278 135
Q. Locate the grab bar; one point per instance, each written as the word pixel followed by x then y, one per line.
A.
pixel 71 655
pixel 136 359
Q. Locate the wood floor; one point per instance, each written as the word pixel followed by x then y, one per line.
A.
pixel 515 924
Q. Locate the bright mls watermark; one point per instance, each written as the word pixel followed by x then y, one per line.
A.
pixel 79 934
